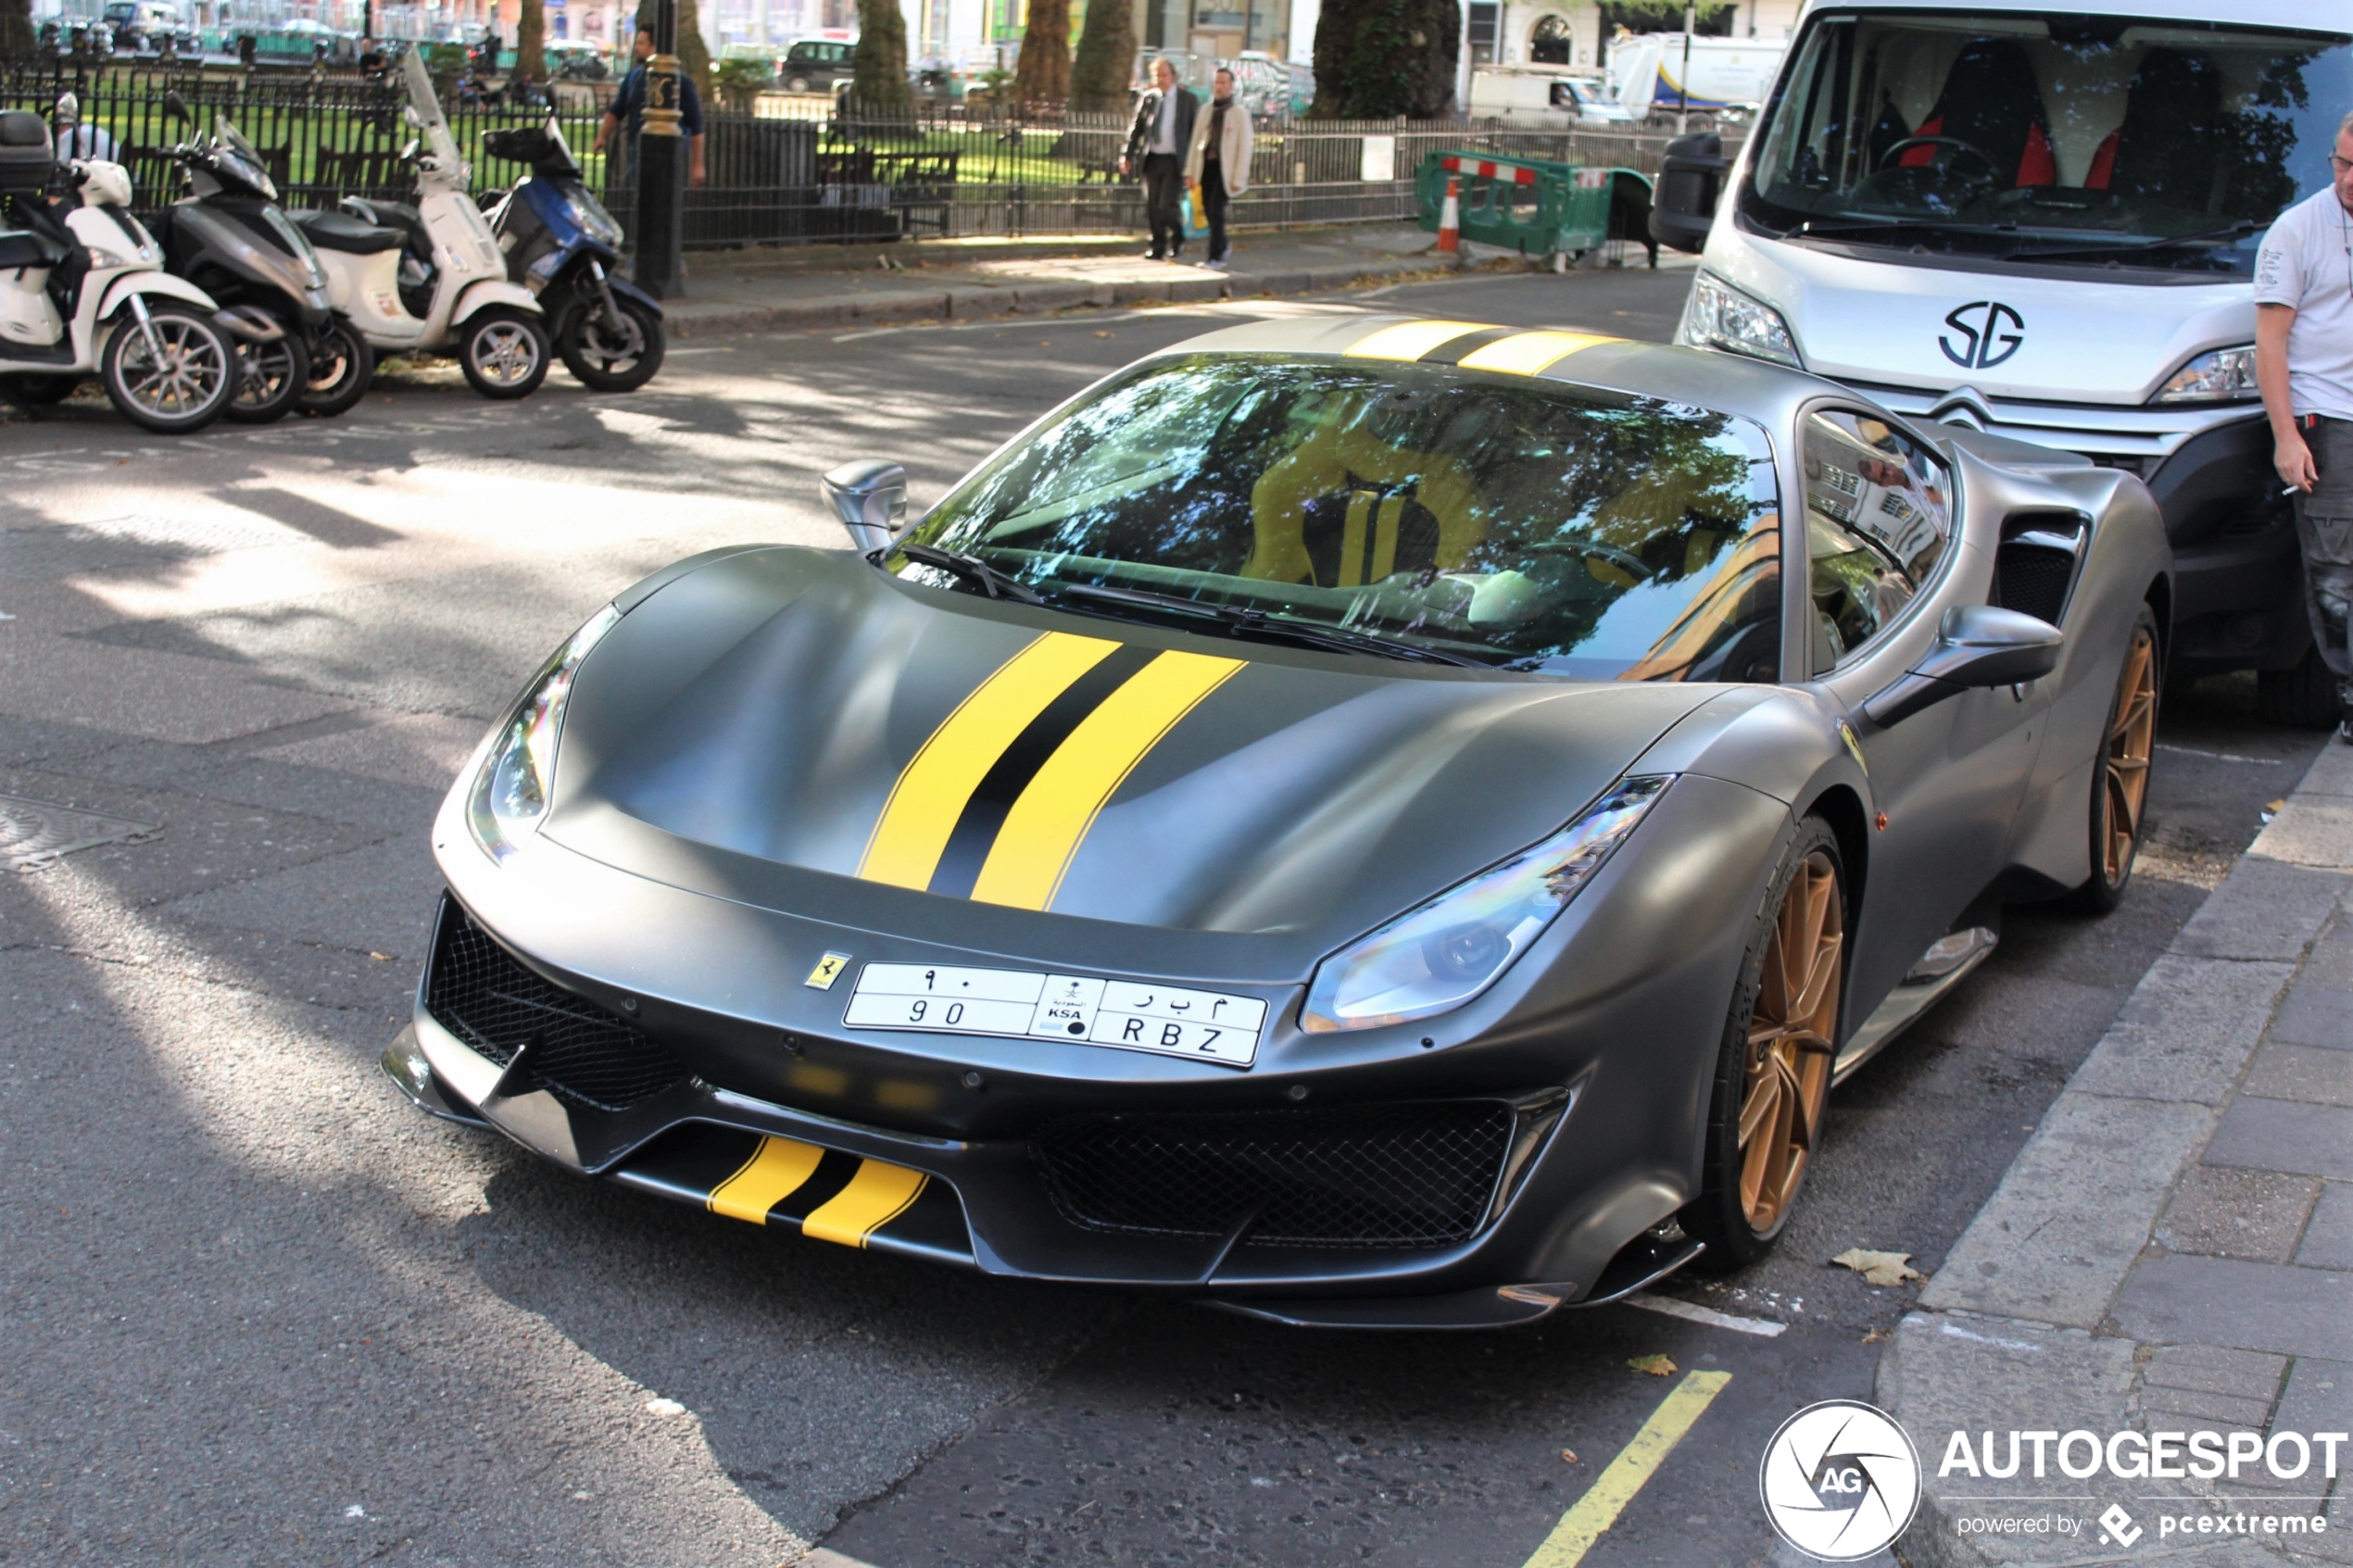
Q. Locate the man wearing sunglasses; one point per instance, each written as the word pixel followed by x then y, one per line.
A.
pixel 2303 365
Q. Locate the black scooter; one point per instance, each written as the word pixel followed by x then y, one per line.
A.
pixel 563 245
pixel 231 239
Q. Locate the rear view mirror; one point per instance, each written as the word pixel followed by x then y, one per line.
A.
pixel 177 108
pixel 1691 180
pixel 871 499
pixel 1978 646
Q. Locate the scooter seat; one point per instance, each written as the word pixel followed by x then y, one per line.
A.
pixel 334 230
pixel 22 247
pixel 393 215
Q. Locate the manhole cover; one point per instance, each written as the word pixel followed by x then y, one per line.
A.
pixel 33 833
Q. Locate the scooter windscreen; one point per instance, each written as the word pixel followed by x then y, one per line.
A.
pixel 427 109
pixel 238 160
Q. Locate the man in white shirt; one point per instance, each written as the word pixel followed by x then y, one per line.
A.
pixel 77 140
pixel 2304 364
pixel 1156 143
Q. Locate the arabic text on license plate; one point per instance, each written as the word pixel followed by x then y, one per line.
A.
pixel 1205 1025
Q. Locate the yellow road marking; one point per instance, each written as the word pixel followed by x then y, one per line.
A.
pixel 1635 1463
pixel 931 793
pixel 1043 828
pixel 1527 353
pixel 1410 340
pixel 773 1173
pixel 875 1196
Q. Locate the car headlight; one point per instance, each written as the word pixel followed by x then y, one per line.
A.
pixel 1719 316
pixel 509 795
pixel 2225 376
pixel 1446 953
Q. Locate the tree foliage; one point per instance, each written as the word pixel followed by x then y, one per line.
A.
pixel 1106 55
pixel 879 65
pixel 1042 74
pixel 1377 59
pixel 1715 19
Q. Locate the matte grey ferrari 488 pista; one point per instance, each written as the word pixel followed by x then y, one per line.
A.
pixel 1362 820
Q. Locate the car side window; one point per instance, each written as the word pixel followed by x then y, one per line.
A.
pixel 1877 519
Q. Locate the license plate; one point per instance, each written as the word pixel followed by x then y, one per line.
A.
pixel 1128 1014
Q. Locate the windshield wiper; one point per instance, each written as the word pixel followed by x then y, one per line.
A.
pixel 2136 244
pixel 971 569
pixel 1816 229
pixel 1240 621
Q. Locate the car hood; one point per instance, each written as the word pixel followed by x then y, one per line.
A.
pixel 872 740
pixel 1901 321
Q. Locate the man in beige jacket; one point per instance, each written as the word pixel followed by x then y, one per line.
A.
pixel 1217 164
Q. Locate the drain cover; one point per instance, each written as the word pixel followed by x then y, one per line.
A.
pixel 33 833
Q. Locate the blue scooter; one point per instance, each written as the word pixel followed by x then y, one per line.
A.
pixel 561 244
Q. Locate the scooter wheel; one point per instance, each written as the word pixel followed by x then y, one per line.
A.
pixel 503 352
pixel 341 372
pixel 174 377
pixel 271 379
pixel 603 360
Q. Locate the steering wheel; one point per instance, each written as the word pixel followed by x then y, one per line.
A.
pixel 1888 157
pixel 1594 549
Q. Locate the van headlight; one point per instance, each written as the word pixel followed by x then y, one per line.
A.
pixel 510 797
pixel 1443 954
pixel 1719 316
pixel 2223 375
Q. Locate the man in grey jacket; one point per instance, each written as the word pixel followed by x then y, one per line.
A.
pixel 1156 145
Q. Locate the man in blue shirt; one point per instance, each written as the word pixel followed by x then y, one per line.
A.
pixel 629 109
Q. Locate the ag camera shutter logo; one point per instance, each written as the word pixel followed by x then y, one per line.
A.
pixel 1839 1480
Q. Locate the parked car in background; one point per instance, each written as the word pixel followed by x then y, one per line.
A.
pixel 571 60
pixel 1542 95
pixel 144 26
pixel 1271 89
pixel 815 64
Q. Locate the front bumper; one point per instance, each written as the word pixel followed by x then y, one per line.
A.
pixel 1518 1170
pixel 2238 583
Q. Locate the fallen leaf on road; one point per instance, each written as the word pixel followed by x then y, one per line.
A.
pixel 1102 334
pixel 381 958
pixel 1875 1336
pixel 1569 1454
pixel 1879 1268
pixel 1658 1366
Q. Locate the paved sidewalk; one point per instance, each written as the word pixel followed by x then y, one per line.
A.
pixel 2173 1249
pixel 771 290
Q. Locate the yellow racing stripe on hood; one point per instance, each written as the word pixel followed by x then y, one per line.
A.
pixel 878 1194
pixel 1043 828
pixel 1410 340
pixel 932 791
pixel 1524 353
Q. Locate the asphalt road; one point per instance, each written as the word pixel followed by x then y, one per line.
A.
pixel 255 1310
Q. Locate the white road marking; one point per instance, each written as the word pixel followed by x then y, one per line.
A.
pixel 2219 756
pixel 1690 1311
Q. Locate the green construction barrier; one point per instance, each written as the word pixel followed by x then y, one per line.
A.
pixel 1535 206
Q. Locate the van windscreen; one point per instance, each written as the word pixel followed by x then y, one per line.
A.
pixel 2159 143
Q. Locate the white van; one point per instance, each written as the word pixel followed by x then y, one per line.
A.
pixel 2040 219
pixel 1664 70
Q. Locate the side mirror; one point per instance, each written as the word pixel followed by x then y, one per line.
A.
pixel 871 499
pixel 177 108
pixel 1978 646
pixel 1690 179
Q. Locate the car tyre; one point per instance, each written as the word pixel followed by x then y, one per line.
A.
pixel 2303 698
pixel 2121 782
pixel 503 352
pixel 1771 1093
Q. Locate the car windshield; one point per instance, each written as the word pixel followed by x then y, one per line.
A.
pixel 2164 143
pixel 121 12
pixel 1451 514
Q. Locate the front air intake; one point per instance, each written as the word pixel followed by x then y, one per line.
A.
pixel 579 1052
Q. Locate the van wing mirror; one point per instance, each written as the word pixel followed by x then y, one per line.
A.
pixel 1691 180
pixel 1978 646
pixel 871 499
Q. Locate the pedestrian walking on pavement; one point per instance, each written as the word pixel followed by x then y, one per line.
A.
pixel 1217 161
pixel 2303 365
pixel 1156 144
pixel 627 112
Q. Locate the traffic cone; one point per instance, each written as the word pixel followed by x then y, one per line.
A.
pixel 1450 221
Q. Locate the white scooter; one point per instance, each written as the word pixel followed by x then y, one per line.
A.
pixel 431 277
pixel 82 289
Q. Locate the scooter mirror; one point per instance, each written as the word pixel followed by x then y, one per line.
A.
pixel 410 116
pixel 177 108
pixel 409 151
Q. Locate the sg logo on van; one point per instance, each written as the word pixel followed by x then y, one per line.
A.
pixel 1988 332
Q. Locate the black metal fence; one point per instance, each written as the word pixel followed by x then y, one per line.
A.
pixel 772 182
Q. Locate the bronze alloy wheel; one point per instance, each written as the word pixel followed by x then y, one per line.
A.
pixel 2130 739
pixel 1790 1042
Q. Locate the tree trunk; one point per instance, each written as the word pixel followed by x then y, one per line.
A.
pixel 1106 54
pixel 1042 75
pixel 879 81
pixel 16 30
pixel 531 41
pixel 1377 59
